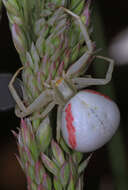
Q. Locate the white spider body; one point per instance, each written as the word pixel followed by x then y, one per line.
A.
pixel 61 90
pixel 89 120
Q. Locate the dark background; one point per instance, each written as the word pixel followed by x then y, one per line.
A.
pixel 114 15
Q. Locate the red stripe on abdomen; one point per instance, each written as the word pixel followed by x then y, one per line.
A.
pixel 69 124
pixel 98 93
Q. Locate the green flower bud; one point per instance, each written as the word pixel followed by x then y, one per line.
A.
pixel 11 7
pixel 77 157
pixel 18 38
pixel 28 139
pixel 57 184
pixel 58 154
pixel 64 174
pixel 71 185
pixel 50 165
pixel 84 164
pixel 44 135
pixel 46 182
pixel 39 172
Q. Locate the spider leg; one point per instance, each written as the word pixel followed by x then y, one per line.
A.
pixel 82 61
pixel 47 109
pixel 13 91
pixel 42 100
pixel 59 117
pixel 85 82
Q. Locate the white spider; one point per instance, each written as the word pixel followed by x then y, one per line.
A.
pixel 62 89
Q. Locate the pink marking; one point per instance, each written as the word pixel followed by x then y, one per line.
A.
pixel 23 123
pixel 29 180
pixel 24 126
pixel 16 27
pixel 98 93
pixel 39 187
pixel 71 129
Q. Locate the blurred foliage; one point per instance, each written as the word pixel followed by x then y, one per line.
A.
pixel 116 148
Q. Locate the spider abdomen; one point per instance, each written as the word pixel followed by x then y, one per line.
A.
pixel 89 120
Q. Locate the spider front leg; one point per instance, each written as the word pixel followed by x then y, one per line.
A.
pixel 42 100
pixel 78 66
pixel 85 82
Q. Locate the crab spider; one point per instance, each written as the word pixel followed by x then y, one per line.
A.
pixel 62 89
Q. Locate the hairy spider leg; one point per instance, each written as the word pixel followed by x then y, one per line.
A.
pixel 85 82
pixel 74 70
pixel 42 100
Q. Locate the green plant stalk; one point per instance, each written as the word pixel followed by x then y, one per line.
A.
pixel 48 42
pixel 116 148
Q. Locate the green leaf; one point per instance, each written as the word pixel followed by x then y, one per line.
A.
pixel 77 6
pixel 57 184
pixel 11 7
pixel 47 183
pixel 55 16
pixel 34 150
pixel 29 60
pixel 71 185
pixel 64 174
pixel 58 154
pixel 35 57
pixel 77 157
pixel 39 26
pixel 50 165
pixel 39 172
pixel 31 172
pixel 64 146
pixel 44 135
pixel 84 164
pixel 33 186
pixel 73 168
